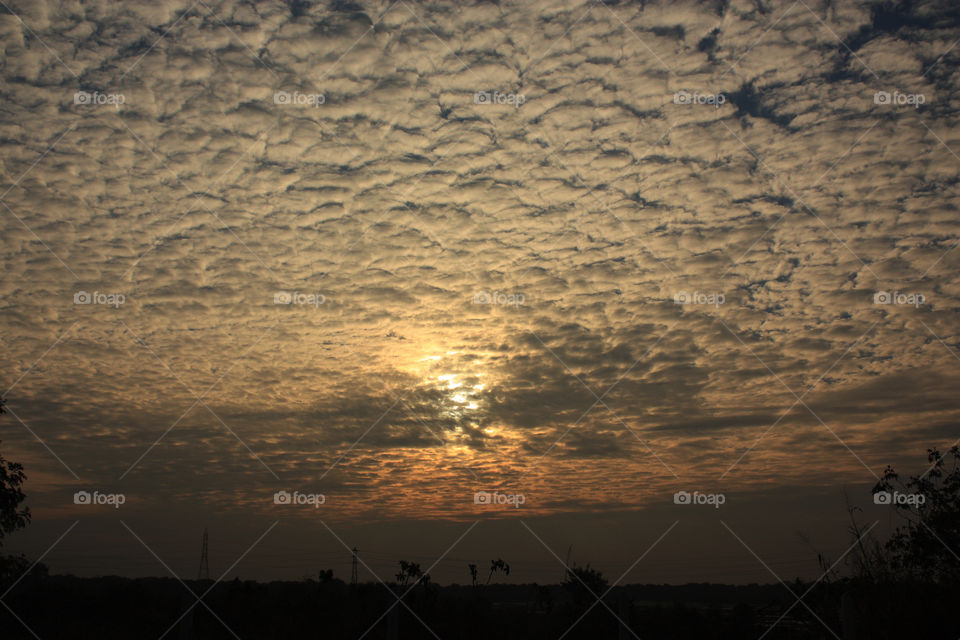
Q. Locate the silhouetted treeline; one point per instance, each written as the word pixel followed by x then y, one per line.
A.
pixel 66 606
pixel 111 607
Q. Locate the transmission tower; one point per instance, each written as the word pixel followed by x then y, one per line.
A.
pixel 204 572
pixel 353 572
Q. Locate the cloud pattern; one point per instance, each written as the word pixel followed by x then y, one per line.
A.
pixel 482 293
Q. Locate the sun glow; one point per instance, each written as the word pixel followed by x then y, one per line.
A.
pixel 458 393
pixel 461 395
pixel 451 380
pixel 457 380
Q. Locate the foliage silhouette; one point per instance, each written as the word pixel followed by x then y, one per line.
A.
pixel 12 517
pixel 584 584
pixel 902 586
pixel 498 565
pixel 412 571
pixel 924 547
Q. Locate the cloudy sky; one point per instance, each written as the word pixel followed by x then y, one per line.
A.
pixel 396 253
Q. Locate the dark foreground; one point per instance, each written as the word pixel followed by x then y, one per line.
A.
pixel 56 607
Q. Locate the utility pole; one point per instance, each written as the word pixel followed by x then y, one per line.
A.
pixel 204 572
pixel 353 572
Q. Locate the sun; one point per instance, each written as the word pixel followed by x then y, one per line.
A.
pixel 462 396
pixel 460 382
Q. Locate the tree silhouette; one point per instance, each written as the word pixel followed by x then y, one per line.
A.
pixel 498 565
pixel 473 574
pixel 408 571
pixel 922 549
pixel 12 517
pixel 584 583
pixel 325 576
pixel 897 587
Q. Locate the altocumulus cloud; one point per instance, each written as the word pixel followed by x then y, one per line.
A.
pixel 689 267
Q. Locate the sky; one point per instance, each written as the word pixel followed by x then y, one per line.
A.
pixel 402 259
